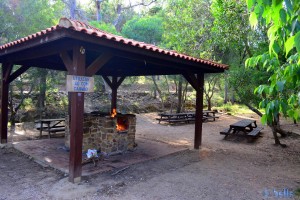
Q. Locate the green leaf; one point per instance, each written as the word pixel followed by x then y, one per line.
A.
pixel 289 44
pixel 288 5
pixel 280 85
pixel 291 113
pixel 297 41
pixel 272 32
pixel 253 20
pixel 283 16
pixel 276 2
pixel 250 3
pixel 264 119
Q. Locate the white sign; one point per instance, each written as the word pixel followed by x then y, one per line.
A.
pixel 80 83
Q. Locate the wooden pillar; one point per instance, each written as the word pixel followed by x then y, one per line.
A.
pixel 199 111
pixel 76 125
pixel 6 70
pixel 114 84
pixel 114 93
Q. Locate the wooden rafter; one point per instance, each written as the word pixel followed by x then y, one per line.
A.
pixel 98 63
pixel 192 79
pixel 68 62
pixel 17 73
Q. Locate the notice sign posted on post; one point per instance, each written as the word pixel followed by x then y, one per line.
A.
pixel 80 83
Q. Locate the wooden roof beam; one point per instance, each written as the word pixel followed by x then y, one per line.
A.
pixel 98 63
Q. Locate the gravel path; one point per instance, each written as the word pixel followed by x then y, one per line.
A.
pixel 232 169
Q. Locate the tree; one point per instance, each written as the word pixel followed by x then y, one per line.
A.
pixel 189 29
pixel 146 29
pixel 282 93
pixel 210 88
pixel 234 41
pixel 16 99
pixel 23 18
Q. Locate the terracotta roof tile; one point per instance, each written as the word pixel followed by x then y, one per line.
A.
pixel 90 30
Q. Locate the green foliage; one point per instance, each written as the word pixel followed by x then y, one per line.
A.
pixel 282 93
pixel 21 18
pixel 146 29
pixel 244 80
pixel 187 27
pixel 104 27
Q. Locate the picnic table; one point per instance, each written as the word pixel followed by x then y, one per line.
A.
pixel 50 125
pixel 185 117
pixel 176 117
pixel 246 126
pixel 209 114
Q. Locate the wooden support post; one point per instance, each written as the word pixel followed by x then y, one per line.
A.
pixel 199 111
pixel 114 93
pixel 114 84
pixel 76 125
pixel 6 70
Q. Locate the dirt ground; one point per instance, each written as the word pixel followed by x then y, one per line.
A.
pixel 222 169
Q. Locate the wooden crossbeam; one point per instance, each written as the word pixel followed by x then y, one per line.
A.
pixel 115 82
pixel 121 79
pixel 17 73
pixel 108 81
pixel 192 79
pixel 98 63
pixel 68 62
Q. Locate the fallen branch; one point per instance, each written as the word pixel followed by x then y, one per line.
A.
pixel 119 171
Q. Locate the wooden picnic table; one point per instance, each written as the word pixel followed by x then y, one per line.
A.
pixel 247 126
pixel 185 117
pixel 176 117
pixel 50 125
pixel 209 114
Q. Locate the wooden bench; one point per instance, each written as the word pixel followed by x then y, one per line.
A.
pixel 50 126
pixel 178 120
pixel 225 131
pixel 254 134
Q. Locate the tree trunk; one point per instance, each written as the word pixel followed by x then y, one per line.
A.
pixel 184 96
pixel 72 9
pixel 208 103
pixel 159 92
pixel 179 102
pixel 118 18
pixel 42 87
pixel 98 6
pixel 254 109
pixel 277 141
pixel 155 86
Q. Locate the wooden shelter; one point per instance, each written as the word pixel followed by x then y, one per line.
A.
pixel 83 50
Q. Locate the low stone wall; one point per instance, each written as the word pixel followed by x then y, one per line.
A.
pixel 99 132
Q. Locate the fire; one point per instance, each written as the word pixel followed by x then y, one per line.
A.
pixel 122 124
pixel 113 113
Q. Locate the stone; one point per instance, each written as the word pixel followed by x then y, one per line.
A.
pixel 100 133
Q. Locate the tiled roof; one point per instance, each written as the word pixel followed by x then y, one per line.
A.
pixel 79 26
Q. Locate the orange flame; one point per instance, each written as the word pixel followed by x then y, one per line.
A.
pixel 113 113
pixel 121 124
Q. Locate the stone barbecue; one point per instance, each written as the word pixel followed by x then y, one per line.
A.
pixel 106 133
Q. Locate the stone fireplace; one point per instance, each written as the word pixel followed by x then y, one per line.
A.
pixel 106 133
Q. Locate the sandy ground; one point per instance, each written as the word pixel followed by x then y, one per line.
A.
pixel 222 169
